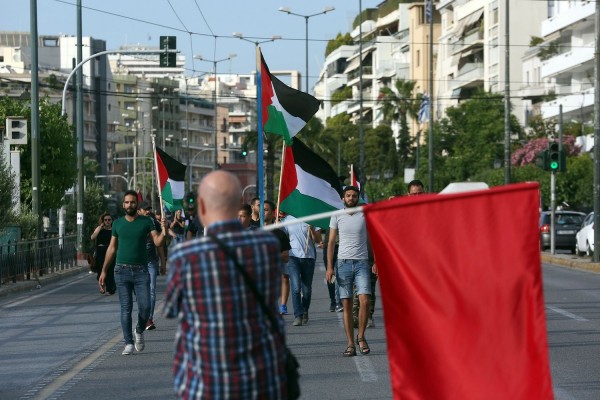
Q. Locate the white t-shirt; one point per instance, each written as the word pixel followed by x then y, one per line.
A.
pixel 352 234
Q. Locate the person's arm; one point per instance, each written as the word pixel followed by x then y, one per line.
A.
pixel 285 256
pixel 330 250
pixel 108 258
pixel 159 239
pixel 96 232
pixel 316 234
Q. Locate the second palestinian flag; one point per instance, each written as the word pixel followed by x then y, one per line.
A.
pixel 309 185
pixel 285 110
pixel 171 177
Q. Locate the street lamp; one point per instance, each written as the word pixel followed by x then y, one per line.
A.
pixel 306 17
pixel 215 62
pixel 240 35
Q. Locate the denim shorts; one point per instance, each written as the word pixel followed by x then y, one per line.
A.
pixel 353 273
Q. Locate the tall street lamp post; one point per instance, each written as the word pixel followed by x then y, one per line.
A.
pixel 215 62
pixel 306 17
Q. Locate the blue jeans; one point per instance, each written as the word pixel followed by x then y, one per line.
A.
pixel 153 271
pixel 129 279
pixel 352 273
pixel 301 271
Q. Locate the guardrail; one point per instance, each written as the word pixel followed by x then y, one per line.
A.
pixel 28 259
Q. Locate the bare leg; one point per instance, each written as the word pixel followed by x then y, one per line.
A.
pixel 348 321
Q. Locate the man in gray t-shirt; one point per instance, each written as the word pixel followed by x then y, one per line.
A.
pixel 352 268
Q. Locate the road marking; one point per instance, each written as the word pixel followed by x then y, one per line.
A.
pixel 25 300
pixel 64 378
pixel 567 314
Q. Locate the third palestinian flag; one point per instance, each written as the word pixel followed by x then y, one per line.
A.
pixel 285 111
pixel 309 185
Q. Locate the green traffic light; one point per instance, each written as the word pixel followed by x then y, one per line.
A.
pixel 554 165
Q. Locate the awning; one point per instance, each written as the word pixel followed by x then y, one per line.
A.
pixel 466 22
pixel 237 119
pixel 355 62
pixel 89 147
pixel 456 93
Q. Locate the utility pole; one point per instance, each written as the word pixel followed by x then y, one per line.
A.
pixel 507 95
pixel 79 127
pixel 35 121
pixel 596 256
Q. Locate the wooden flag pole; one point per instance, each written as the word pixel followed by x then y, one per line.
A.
pixel 280 181
pixel 160 199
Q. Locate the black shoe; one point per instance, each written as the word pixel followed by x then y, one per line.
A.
pixel 332 308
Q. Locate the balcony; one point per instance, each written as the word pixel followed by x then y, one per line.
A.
pixel 469 75
pixel 571 103
pixel 577 12
pixel 470 39
pixel 354 75
pixel 569 61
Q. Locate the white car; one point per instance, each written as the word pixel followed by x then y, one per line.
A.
pixel 584 238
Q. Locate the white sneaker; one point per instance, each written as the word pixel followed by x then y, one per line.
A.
pixel 139 341
pixel 128 350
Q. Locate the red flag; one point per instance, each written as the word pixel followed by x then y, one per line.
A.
pixel 462 293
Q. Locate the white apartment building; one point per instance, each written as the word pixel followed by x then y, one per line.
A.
pixel 472 52
pixel 569 68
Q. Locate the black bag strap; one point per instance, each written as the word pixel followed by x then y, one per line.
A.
pixel 259 297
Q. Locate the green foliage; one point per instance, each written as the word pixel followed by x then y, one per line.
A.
pixel 28 223
pixel 57 152
pixel 341 94
pixel 377 190
pixel 7 186
pixel 339 41
pixel 94 204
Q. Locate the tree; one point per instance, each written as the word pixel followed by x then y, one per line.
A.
pixel 7 187
pixel 474 135
pixel 528 152
pixel 57 152
pixel 398 105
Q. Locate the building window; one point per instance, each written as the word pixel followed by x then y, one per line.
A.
pixel 418 61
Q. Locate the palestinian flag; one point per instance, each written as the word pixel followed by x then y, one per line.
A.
pixel 171 176
pixel 309 185
pixel 285 111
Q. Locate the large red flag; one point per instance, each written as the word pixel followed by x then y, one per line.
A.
pixel 462 294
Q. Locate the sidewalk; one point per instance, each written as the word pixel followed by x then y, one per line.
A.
pixel 571 261
pixel 37 282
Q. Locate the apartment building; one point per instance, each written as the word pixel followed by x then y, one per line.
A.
pixel 568 62
pixel 56 58
pixel 472 48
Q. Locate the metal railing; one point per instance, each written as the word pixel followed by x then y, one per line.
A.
pixel 27 259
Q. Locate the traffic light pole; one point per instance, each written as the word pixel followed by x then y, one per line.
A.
pixel 552 211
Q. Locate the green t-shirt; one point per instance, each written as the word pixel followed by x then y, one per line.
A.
pixel 132 239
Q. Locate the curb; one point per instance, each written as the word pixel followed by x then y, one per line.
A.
pixel 571 261
pixel 39 282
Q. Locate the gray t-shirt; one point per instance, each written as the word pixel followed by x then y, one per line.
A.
pixel 352 234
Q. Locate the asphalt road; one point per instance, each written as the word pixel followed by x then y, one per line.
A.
pixel 63 341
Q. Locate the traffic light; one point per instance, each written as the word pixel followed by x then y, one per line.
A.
pixel 244 150
pixel 541 160
pixel 554 157
pixel 168 60
pixel 189 201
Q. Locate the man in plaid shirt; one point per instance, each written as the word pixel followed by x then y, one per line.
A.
pixel 226 347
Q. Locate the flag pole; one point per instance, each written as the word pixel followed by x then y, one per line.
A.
pixel 280 179
pixel 259 130
pixel 160 199
pixel 313 217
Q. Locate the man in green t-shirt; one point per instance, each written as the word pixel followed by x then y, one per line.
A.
pixel 128 241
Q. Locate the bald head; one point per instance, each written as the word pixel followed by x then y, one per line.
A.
pixel 219 197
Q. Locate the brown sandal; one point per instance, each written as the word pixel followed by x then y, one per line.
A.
pixel 365 348
pixel 350 351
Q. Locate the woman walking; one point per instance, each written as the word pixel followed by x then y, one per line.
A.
pixel 102 235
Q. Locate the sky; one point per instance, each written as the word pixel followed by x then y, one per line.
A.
pixel 196 23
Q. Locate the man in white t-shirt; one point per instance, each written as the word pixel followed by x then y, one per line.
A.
pixel 352 268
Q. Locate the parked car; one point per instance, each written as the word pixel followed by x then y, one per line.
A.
pixel 584 238
pixel 566 225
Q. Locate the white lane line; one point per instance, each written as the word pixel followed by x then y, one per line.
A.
pixel 567 314
pixel 25 300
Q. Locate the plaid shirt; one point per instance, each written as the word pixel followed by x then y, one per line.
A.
pixel 225 345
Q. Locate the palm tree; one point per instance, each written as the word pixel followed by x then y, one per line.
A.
pixel 398 104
